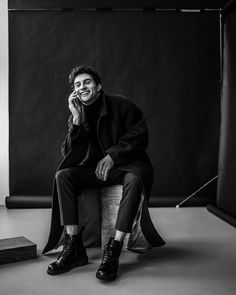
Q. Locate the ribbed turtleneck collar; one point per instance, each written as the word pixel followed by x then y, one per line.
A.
pixel 95 106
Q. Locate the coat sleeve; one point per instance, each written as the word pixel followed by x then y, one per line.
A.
pixel 134 140
pixel 77 138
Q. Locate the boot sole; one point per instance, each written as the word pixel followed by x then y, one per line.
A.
pixel 78 263
pixel 107 279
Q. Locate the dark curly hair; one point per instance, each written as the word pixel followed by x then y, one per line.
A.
pixel 83 70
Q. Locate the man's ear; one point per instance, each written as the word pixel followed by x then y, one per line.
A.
pixel 99 87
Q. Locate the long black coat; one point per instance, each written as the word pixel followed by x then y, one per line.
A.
pixel 122 132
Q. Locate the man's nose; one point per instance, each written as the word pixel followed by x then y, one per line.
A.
pixel 82 86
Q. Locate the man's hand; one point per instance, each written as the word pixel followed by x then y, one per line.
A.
pixel 103 167
pixel 75 108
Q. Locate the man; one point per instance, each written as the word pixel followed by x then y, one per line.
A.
pixel 105 146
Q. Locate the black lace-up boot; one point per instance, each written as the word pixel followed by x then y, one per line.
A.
pixel 110 261
pixel 73 254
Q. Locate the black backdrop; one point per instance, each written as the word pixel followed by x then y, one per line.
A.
pixel 166 62
pixel 227 159
pixel 225 207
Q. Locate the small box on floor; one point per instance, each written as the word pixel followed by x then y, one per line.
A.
pixel 16 249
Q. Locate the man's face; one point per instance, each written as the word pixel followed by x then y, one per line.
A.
pixel 86 88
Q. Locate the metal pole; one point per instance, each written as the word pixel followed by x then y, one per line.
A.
pixel 177 206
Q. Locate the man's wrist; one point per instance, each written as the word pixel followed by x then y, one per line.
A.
pixel 76 121
pixel 110 158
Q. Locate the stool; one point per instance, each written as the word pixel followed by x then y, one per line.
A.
pixel 100 219
pixel 110 200
pixel 98 212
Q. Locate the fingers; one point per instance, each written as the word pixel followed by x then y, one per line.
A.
pixel 73 99
pixel 74 105
pixel 72 96
pixel 105 174
pixel 76 102
pixel 99 170
pixel 102 170
pixel 103 167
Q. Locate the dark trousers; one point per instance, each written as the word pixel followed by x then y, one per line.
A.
pixel 71 181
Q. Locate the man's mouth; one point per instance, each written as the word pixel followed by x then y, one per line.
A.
pixel 84 93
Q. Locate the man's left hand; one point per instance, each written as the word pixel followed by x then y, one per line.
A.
pixel 103 167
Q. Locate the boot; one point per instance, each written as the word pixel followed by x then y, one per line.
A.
pixel 110 262
pixel 73 254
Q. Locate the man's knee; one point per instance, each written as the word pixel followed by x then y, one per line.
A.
pixel 131 179
pixel 62 174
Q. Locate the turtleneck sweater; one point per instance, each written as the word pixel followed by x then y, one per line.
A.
pixel 92 113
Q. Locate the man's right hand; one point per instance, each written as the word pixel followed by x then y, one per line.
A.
pixel 75 108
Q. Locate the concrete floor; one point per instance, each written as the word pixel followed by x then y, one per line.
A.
pixel 199 258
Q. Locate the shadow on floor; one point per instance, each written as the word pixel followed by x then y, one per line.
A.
pixel 187 252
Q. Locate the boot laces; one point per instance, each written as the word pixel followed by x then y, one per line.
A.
pixel 108 257
pixel 66 249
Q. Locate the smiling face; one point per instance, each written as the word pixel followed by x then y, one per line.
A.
pixel 86 89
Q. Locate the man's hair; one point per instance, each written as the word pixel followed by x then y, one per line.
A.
pixel 83 70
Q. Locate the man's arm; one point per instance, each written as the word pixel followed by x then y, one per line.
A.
pixel 77 136
pixel 130 146
pixel 134 141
